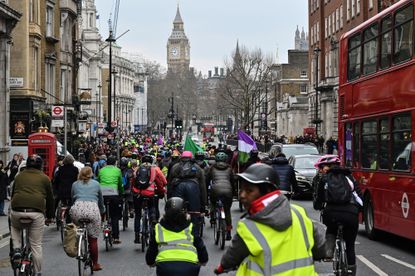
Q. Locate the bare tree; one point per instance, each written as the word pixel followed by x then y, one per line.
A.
pixel 243 89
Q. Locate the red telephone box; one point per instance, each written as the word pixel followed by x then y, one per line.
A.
pixel 44 145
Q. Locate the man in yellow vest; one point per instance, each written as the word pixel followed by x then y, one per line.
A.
pixel 275 238
pixel 174 250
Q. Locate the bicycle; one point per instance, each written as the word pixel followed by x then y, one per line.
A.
pixel 201 217
pixel 25 265
pixel 145 225
pixel 83 256
pixel 107 230
pixel 61 215
pixel 125 214
pixel 340 257
pixel 219 224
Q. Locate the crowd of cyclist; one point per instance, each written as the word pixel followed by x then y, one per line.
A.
pixel 191 183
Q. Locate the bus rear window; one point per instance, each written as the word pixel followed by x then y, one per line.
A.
pixel 403 38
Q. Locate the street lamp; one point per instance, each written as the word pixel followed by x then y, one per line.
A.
pixel 316 120
pixel 99 100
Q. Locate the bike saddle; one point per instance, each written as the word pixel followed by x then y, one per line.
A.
pixel 84 220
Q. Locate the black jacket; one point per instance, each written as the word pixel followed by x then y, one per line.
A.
pixel 320 196
pixel 153 251
pixel 220 178
pixel 64 178
pixel 4 182
pixel 285 173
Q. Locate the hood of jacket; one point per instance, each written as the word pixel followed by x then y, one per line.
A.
pixel 221 165
pixel 276 214
pixel 280 160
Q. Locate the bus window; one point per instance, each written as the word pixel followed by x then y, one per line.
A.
pixel 369 145
pixel 403 41
pixel 348 145
pixel 370 49
pixel 401 142
pixel 353 70
pixel 356 145
pixel 386 43
pixel 384 138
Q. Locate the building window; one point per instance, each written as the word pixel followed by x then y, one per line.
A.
pixel 337 20
pixel 353 70
pixel 318 31
pixel 370 49
pixel 341 16
pixel 35 72
pixel 370 5
pixel 303 73
pixel 326 33
pixel 62 96
pixel 353 8
pixel 312 35
pixel 403 40
pixel 386 43
pixel 358 7
pixel 49 21
pixel 50 83
pixel 348 10
pixel 384 135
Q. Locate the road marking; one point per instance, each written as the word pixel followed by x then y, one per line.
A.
pixel 3 244
pixel 373 267
pixel 398 261
pixel 356 242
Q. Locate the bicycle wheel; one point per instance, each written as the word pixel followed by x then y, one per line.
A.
pixel 125 216
pixel 62 228
pixel 144 230
pixel 81 254
pixel 343 259
pixel 106 243
pixel 222 233
pixel 336 259
pixel 216 228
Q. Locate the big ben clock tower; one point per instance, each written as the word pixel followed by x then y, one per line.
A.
pixel 178 48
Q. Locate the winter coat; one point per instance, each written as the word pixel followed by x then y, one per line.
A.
pixel 174 177
pixel 320 197
pixel 4 182
pixel 64 178
pixel 220 178
pixel 285 173
pixel 277 214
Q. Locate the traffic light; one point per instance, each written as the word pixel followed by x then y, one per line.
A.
pixel 178 124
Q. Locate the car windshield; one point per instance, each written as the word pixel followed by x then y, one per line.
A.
pixel 306 162
pixel 290 151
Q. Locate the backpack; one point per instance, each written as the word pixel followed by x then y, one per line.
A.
pixel 337 189
pixel 142 180
pixel 70 244
pixel 188 169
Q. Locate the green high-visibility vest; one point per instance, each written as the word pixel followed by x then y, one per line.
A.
pixel 175 246
pixel 285 253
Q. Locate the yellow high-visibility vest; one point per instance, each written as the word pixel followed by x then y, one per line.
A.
pixel 286 253
pixel 175 246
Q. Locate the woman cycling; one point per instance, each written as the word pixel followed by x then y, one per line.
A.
pixel 335 213
pixel 88 204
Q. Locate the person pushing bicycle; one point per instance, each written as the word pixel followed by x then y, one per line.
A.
pixel 339 197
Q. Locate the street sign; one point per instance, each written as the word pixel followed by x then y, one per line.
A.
pixel 57 123
pixel 57 111
pixel 114 124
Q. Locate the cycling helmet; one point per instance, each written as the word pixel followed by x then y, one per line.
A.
pixel 187 154
pixel 34 161
pixel 328 159
pixel 200 155
pixel 175 210
pixel 221 157
pixel 260 173
pixel 147 159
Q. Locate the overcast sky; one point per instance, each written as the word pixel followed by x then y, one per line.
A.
pixel 212 27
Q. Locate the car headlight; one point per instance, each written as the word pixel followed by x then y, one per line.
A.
pixel 300 177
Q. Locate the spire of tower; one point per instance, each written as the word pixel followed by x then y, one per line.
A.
pixel 297 32
pixel 178 18
pixel 302 34
pixel 237 56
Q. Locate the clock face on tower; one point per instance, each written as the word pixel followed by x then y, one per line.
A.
pixel 174 51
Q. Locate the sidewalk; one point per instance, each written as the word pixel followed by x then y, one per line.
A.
pixel 4 225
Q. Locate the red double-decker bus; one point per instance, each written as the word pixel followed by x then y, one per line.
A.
pixel 377 117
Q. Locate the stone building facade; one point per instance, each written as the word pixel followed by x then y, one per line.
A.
pixel 8 20
pixel 328 20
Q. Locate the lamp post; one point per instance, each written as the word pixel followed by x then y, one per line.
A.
pixel 110 40
pixel 316 120
pixel 99 100
pixel 171 113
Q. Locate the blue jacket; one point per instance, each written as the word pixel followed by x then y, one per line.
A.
pixel 285 173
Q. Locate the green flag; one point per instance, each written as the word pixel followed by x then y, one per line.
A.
pixel 190 145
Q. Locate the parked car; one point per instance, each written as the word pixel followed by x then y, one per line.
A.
pixel 293 149
pixel 304 172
